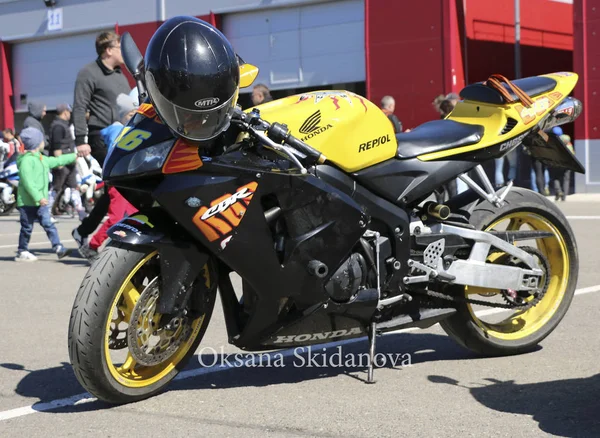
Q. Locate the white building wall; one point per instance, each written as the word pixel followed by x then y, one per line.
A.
pixel 27 19
pixel 303 46
pixel 187 7
pixel 291 51
pixel 588 153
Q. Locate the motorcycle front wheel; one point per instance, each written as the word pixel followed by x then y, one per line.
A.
pixel 498 332
pixel 120 348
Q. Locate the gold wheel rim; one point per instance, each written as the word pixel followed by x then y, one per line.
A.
pixel 522 324
pixel 129 373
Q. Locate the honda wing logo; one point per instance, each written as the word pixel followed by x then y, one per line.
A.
pixel 311 127
pixel 312 123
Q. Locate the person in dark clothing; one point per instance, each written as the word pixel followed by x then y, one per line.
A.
pixel 96 89
pixel 388 106
pixel 62 142
pixel 37 111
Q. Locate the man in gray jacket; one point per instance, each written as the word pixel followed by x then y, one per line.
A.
pixel 96 89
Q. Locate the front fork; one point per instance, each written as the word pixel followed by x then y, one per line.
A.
pixel 181 259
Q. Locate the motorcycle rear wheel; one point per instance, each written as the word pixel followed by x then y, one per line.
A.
pixel 99 345
pixel 520 331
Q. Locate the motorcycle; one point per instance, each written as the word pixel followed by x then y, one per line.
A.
pixel 9 186
pixel 322 211
pixel 90 181
pixel 89 189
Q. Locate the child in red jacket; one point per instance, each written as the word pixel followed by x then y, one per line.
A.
pixel 119 207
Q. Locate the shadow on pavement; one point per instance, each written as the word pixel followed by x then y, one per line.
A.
pixel 546 401
pixel 567 407
pixel 394 351
pixel 48 384
pixel 409 349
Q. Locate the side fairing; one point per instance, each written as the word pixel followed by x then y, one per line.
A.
pixel 223 205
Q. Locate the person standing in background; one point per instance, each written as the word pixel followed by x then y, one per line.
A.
pixel 63 142
pixel 388 106
pixel 37 111
pixel 15 147
pixel 261 94
pixel 96 89
pixel 560 177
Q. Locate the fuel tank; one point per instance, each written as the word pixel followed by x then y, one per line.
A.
pixel 351 131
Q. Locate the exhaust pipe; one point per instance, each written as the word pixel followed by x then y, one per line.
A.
pixel 566 112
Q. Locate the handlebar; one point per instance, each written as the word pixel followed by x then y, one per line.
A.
pixel 279 132
pixel 276 134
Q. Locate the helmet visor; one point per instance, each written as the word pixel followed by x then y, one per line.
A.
pixel 196 125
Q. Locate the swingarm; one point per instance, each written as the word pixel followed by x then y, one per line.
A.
pixel 475 270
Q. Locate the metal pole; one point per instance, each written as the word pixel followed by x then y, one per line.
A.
pixel 517 39
pixel 162 10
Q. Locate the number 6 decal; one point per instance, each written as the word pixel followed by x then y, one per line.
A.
pixel 133 139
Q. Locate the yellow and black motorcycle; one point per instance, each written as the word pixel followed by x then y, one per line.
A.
pixel 324 214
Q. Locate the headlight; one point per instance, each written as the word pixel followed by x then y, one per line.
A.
pixel 145 160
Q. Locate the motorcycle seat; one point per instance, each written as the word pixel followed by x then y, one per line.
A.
pixel 532 86
pixel 436 136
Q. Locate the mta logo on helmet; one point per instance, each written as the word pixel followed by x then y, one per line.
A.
pixel 207 103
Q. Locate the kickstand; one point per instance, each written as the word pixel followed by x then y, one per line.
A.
pixel 372 336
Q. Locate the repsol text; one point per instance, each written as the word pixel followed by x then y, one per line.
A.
pixel 374 143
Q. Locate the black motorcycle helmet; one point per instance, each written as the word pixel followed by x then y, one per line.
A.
pixel 192 77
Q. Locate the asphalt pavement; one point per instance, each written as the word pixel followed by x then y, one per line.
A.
pixel 435 389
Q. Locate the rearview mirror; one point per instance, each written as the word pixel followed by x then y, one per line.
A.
pixel 248 74
pixel 134 61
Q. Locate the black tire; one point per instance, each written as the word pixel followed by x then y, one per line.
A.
pixel 87 324
pixel 7 209
pixel 462 326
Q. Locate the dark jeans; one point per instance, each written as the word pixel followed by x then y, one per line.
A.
pixel 28 217
pixel 66 176
pixel 98 147
pixel 93 220
pixel 540 181
pixel 561 179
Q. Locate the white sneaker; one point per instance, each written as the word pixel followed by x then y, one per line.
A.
pixel 25 256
